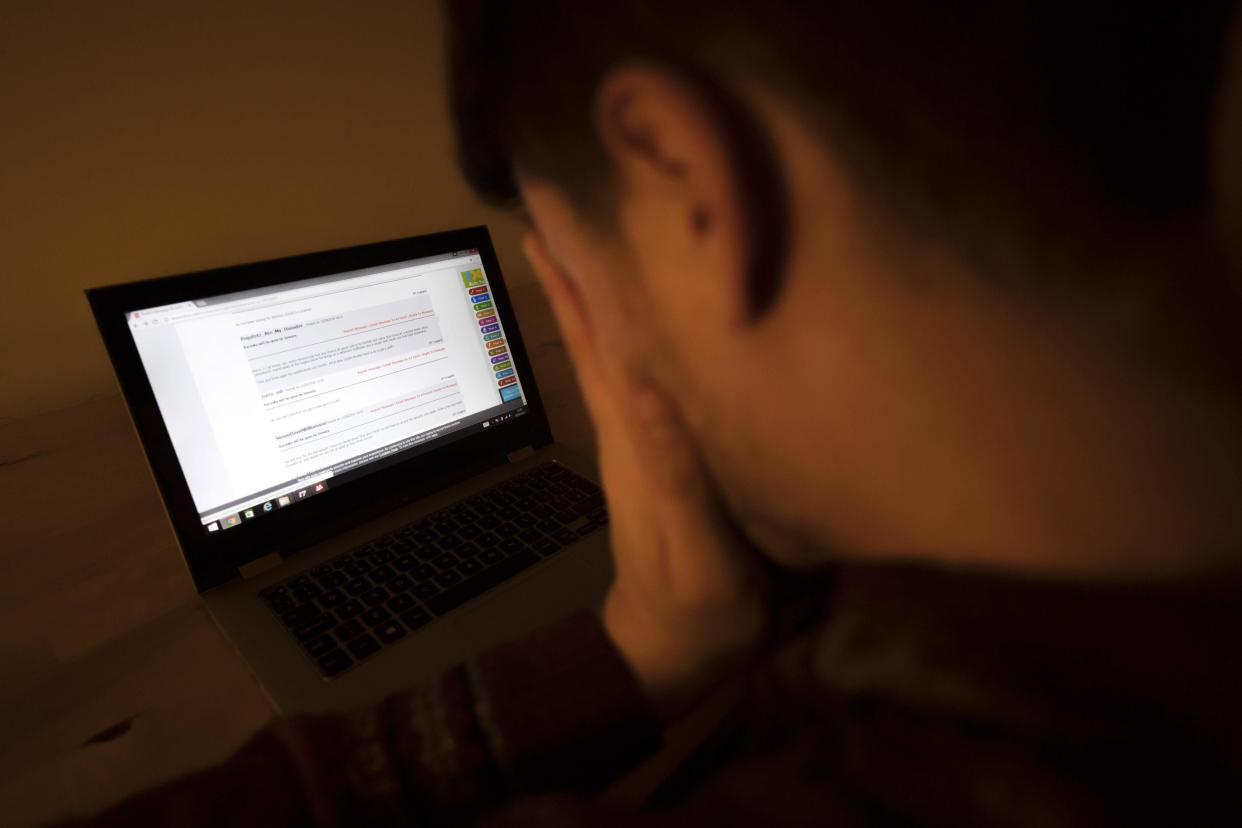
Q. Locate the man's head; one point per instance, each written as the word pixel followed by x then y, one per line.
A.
pixel 829 231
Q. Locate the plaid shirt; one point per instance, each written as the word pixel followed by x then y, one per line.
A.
pixel 920 696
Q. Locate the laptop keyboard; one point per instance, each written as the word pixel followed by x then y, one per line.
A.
pixel 348 609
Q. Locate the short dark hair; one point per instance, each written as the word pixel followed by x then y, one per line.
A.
pixel 1060 118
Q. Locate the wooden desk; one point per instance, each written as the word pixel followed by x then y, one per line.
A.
pixel 101 627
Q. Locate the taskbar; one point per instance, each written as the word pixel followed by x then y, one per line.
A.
pixel 287 494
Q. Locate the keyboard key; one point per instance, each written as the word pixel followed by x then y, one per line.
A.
pixel 315 627
pixel 415 618
pixel 445 561
pixel 376 615
pixel 448 578
pixel 305 593
pixel 565 536
pixel 350 608
pixel 334 663
pixel 487 539
pixel 390 632
pixel 363 646
pixel 425 590
pixel 384 556
pixel 567 516
pixel 492 556
pixel 470 567
pixel 511 545
pixel 549 526
pixel 485 580
pixel 357 586
pixel 348 630
pixel 299 615
pixel 582 484
pixel 333 580
pixel 590 504
pixel 331 599
pixel 400 584
pixel 375 596
pixel 401 603
pixel 381 574
pixel 280 604
pixel 546 546
pixel 405 563
pixel 320 646
pixel 466 550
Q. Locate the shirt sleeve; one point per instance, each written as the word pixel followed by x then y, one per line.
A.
pixel 558 710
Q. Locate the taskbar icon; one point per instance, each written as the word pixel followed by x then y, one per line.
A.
pixel 302 492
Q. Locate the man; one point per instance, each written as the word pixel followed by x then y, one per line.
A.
pixel 941 298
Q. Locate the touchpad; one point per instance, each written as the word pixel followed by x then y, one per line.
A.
pixel 547 594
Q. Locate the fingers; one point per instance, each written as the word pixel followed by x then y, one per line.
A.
pixel 683 502
pixel 666 450
pixel 571 316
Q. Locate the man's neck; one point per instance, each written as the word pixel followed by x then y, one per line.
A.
pixel 1075 442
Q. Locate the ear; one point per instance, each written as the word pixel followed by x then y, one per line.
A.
pixel 679 195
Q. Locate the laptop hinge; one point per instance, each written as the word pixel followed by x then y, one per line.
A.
pixel 257 567
pixel 521 454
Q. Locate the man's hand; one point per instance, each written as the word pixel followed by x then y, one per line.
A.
pixel 688 605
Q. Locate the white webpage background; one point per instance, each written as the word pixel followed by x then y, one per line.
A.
pixel 224 437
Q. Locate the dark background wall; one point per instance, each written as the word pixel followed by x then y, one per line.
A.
pixel 145 137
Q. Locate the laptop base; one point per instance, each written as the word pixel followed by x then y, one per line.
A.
pixel 574 578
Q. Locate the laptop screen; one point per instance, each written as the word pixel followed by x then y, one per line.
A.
pixel 272 396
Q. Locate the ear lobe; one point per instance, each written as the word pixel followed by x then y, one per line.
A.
pixel 675 172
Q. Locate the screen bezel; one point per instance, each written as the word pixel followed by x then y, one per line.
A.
pixel 214 558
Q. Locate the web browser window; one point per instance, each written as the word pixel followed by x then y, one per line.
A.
pixel 271 396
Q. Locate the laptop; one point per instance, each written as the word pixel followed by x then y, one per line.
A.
pixel 356 462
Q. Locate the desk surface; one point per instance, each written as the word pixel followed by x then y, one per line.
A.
pixel 112 677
